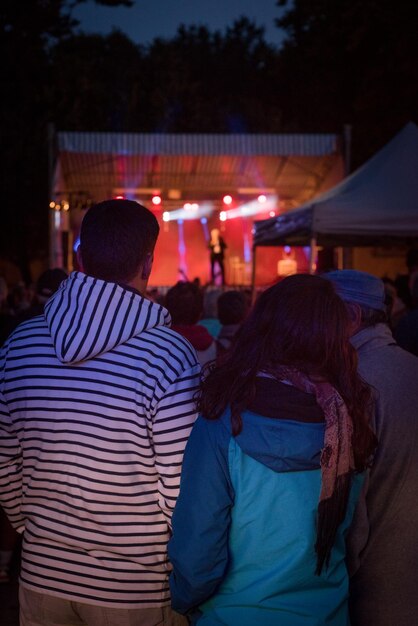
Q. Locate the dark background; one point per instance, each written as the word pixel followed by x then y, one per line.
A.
pixel 341 62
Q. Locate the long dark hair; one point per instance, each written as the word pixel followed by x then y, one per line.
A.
pixel 298 322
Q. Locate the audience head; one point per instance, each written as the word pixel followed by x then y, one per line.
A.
pixel 414 292
pixel 48 283
pixel 184 302
pixel 117 240
pixel 232 307
pixel 299 322
pixel 412 259
pixel 4 290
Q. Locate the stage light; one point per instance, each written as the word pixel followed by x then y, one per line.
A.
pixel 52 205
pixel 272 214
pixel 222 216
pixel 156 200
pixel 66 206
pixel 192 211
pixel 254 207
pixel 203 220
pixel 262 198
pixel 166 216
pixel 227 199
pixel 119 198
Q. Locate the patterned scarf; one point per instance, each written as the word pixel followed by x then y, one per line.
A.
pixel 337 459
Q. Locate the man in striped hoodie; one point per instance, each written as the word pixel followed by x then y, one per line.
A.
pixel 96 406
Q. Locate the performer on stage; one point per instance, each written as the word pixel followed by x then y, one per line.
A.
pixel 217 246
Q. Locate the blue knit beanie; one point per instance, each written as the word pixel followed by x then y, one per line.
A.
pixel 359 287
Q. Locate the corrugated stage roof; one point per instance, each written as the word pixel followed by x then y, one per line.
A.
pixel 96 166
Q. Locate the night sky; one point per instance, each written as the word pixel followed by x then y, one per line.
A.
pixel 149 19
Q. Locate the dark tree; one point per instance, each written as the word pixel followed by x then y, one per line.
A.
pixel 212 82
pixel 27 36
pixel 97 82
pixel 350 61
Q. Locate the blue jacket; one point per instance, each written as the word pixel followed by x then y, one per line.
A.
pixel 244 524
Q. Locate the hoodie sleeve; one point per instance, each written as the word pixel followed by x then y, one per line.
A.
pixel 10 469
pixel 173 420
pixel 198 549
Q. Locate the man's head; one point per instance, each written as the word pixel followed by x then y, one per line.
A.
pixel 364 293
pixel 117 240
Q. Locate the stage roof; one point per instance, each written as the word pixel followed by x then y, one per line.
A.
pixel 90 167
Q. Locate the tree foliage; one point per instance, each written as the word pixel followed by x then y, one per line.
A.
pixel 350 61
pixel 209 82
pixel 342 62
pixel 28 36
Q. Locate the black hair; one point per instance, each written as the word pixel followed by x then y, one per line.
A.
pixel 115 238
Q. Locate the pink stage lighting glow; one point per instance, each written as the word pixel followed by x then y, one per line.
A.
pixel 227 199
pixel 254 207
pixel 156 200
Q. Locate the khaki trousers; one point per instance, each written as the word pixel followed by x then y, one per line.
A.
pixel 39 609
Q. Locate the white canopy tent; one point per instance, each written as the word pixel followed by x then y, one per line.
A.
pixel 376 205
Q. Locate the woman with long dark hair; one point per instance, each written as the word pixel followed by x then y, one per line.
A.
pixel 274 467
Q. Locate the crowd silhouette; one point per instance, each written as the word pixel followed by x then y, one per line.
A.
pixel 193 456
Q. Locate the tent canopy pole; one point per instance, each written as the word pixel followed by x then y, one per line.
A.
pixel 312 256
pixel 253 275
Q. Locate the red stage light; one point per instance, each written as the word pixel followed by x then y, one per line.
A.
pixel 227 199
pixel 119 197
pixel 156 200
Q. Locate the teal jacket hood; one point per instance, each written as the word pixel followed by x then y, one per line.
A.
pixel 283 427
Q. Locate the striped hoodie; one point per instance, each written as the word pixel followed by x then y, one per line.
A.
pixel 96 406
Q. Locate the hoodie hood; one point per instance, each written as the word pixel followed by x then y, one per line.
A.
pixel 283 428
pixel 87 317
pixel 373 337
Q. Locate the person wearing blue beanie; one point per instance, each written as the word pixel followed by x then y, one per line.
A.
pixel 383 541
